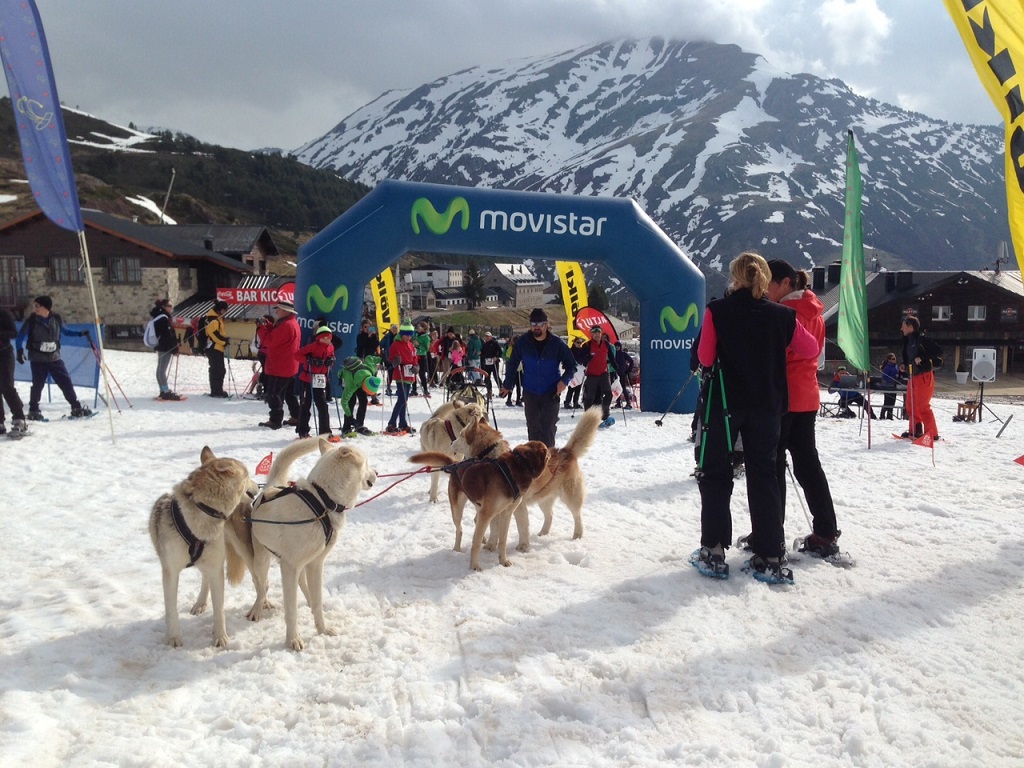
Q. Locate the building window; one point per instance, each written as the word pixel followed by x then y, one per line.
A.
pixel 13 281
pixel 1008 315
pixel 976 313
pixel 185 278
pixel 941 313
pixel 66 270
pixel 124 270
pixel 124 332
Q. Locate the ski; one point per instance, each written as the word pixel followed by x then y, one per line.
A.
pixel 705 570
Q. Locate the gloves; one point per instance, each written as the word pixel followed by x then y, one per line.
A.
pixel 83 334
pixel 21 356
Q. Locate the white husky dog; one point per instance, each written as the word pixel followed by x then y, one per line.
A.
pixel 187 528
pixel 439 432
pixel 300 524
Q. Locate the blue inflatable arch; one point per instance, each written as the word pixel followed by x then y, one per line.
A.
pixel 397 217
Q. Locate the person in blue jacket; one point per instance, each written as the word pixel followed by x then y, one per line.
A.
pixel 548 366
pixel 41 334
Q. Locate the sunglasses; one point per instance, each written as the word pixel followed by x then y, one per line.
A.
pixel 538 325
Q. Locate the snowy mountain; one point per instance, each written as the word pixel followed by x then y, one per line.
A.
pixel 722 150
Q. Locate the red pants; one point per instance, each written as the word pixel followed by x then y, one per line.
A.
pixel 919 399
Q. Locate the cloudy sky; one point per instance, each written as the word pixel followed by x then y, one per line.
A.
pixel 250 75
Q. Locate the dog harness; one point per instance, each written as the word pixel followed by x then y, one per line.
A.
pixel 195 544
pixel 456 469
pixel 320 503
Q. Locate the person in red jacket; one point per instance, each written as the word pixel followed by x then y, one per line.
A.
pixel 281 367
pixel 404 366
pixel 315 362
pixel 788 287
pixel 597 385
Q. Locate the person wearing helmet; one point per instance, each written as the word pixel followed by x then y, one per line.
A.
pixel 315 362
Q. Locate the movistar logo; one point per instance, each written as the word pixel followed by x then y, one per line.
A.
pixel 439 223
pixel 669 319
pixel 325 303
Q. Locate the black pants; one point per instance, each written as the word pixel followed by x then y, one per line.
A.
pixel 760 432
pixel 572 396
pixel 517 385
pixel 57 371
pixel 797 436
pixel 424 362
pixel 308 399
pixel 280 391
pixel 8 391
pixel 216 361
pixel 351 422
pixel 887 405
pixel 542 416
pixel 400 413
pixel 598 389
pixel 492 375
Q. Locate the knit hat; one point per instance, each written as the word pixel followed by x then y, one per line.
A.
pixel 286 306
pixel 407 329
pixel 488 333
pixel 220 306
pixel 371 385
pixel 322 330
pixel 472 332
pixel 44 301
pixel 538 316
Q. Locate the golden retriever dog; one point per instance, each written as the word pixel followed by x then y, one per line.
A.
pixel 562 478
pixel 187 529
pixel 299 523
pixel 495 487
pixel 439 432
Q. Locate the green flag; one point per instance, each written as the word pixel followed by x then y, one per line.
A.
pixel 853 303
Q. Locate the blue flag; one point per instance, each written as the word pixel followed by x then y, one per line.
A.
pixel 44 145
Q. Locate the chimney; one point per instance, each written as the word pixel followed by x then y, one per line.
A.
pixel 208 243
pixel 835 270
pixel 904 280
pixel 890 282
pixel 818 279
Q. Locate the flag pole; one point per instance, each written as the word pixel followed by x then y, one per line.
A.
pixel 84 248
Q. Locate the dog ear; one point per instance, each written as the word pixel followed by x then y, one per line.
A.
pixel 206 454
pixel 324 446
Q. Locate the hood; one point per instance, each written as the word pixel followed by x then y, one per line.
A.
pixel 806 304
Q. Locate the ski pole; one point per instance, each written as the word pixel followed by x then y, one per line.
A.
pixel 678 395
pixel 102 362
pixel 799 495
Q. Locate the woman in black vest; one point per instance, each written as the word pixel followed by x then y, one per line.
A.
pixel 743 342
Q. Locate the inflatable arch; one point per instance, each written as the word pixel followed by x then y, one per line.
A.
pixel 397 217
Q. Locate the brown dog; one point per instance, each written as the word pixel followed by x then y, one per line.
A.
pixel 562 478
pixel 495 486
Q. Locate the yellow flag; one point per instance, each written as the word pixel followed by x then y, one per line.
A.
pixel 386 299
pixel 574 293
pixel 993 33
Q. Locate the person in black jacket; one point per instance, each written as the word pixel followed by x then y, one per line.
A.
pixel 921 356
pixel 166 346
pixel 743 342
pixel 8 392
pixel 42 331
pixel 491 357
pixel 582 357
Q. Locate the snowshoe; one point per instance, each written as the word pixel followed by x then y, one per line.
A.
pixel 823 549
pixel 18 429
pixel 606 423
pixel 81 412
pixel 36 416
pixel 365 431
pixel 709 565
pixel 768 572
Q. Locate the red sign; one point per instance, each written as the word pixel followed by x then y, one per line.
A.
pixel 253 295
pixel 588 317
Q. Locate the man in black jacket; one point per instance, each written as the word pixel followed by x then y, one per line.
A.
pixel 8 392
pixel 43 329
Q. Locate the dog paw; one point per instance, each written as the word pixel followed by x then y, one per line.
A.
pixel 220 642
pixel 198 608
pixel 329 631
pixel 296 643
pixel 175 641
pixel 524 546
pixel 254 615
pixel 506 562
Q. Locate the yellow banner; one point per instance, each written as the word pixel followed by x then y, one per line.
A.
pixel 574 293
pixel 993 33
pixel 386 299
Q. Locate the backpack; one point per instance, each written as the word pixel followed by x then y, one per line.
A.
pixel 202 340
pixel 150 337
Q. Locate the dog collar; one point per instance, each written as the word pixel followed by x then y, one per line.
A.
pixel 215 513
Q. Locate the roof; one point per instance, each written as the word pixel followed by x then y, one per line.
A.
pixel 518 274
pixel 922 282
pixel 226 238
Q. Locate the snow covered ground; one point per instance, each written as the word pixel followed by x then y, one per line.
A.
pixel 606 651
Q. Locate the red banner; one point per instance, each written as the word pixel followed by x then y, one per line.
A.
pixel 266 296
pixel 588 317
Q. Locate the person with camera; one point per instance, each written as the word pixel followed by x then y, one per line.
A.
pixel 42 331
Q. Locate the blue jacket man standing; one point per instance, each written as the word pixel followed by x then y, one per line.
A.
pixel 548 366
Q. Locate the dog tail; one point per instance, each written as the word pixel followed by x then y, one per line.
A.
pixel 433 459
pixel 238 541
pixel 583 436
pixel 282 465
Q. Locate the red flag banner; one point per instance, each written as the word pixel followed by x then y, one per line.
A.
pixel 588 317
pixel 263 468
pixel 266 296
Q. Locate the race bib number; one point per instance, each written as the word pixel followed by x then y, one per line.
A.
pixel 319 380
pixel 489 360
pixel 48 346
pixel 408 371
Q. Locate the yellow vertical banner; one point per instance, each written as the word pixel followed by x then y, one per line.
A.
pixel 993 33
pixel 386 299
pixel 574 293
